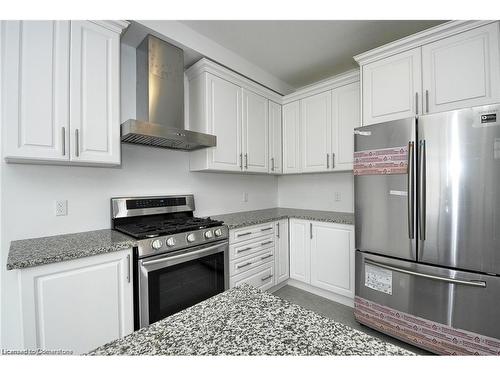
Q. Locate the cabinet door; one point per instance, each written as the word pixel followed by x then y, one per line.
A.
pixel 300 256
pixel 255 132
pixel 332 258
pixel 281 255
pixel 34 84
pixel 291 138
pixel 462 70
pixel 275 140
pixel 95 93
pixel 345 117
pixel 224 121
pixel 316 127
pixel 77 305
pixel 392 87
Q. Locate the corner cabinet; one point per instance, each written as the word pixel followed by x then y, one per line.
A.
pixel 322 255
pixel 291 138
pixel 450 66
pixel 239 113
pixel 275 139
pixel 60 91
pixel 77 305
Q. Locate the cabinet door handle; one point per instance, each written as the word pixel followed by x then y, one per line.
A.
pixel 241 161
pixel 267 256
pixel 272 164
pixel 266 278
pixel 63 140
pixel 128 268
pixel 243 250
pixel 244 265
pixel 278 231
pixel 327 161
pixel 310 231
pixel 416 103
pixel 246 161
pixel 333 160
pixel 266 243
pixel 77 143
pixel 427 101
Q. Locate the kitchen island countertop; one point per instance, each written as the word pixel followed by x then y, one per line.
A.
pixel 246 321
pixel 247 218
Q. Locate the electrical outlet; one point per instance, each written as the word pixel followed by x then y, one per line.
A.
pixel 337 196
pixel 245 197
pixel 62 208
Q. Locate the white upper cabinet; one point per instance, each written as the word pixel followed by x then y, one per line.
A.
pixel 392 87
pixel 275 139
pixel 35 89
pixel 255 132
pixel 345 117
pixel 221 116
pixel 291 138
pixel 60 83
pixel 94 93
pixel 462 70
pixel 332 258
pixel 316 126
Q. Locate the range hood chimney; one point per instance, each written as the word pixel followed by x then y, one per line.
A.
pixel 160 100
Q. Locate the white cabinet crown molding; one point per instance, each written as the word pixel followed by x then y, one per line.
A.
pixel 417 40
pixel 118 26
pixel 330 83
pixel 206 65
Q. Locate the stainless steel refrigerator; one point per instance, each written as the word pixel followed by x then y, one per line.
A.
pixel 427 211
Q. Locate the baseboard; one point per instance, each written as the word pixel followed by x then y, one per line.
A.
pixel 276 287
pixel 321 292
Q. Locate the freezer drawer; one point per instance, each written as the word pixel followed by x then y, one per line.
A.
pixel 459 175
pixel 468 303
pixel 385 203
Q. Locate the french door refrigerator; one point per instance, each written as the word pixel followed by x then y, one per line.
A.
pixel 427 211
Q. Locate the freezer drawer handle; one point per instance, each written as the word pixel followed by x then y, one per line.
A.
pixel 481 284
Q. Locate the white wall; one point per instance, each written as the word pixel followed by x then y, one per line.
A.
pixel 317 191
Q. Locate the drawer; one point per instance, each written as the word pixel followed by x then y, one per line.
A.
pixel 246 263
pixel 246 248
pixel 261 277
pixel 254 231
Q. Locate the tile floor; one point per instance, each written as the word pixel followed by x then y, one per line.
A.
pixel 338 312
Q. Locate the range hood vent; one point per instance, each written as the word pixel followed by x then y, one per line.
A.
pixel 160 101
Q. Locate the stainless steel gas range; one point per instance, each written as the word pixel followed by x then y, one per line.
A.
pixel 179 259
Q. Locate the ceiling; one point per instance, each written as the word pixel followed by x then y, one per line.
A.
pixel 303 52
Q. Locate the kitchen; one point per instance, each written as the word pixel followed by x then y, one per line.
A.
pixel 86 208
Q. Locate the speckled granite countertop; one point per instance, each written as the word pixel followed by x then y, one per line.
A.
pixel 246 218
pixel 45 250
pixel 246 321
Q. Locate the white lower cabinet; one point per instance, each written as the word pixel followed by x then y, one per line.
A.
pixel 322 255
pixel 77 305
pixel 281 253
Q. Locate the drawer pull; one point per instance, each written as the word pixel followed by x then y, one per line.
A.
pixel 267 256
pixel 245 249
pixel 266 278
pixel 243 265
pixel 243 234
pixel 266 243
pixel 264 229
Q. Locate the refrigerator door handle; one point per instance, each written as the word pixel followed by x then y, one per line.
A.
pixel 481 284
pixel 422 187
pixel 410 196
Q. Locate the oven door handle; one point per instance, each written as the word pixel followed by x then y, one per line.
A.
pixel 175 259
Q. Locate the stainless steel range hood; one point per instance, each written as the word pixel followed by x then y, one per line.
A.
pixel 160 100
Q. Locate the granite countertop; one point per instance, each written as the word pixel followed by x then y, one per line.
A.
pixel 246 218
pixel 45 250
pixel 246 321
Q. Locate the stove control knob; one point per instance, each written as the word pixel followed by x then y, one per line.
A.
pixel 170 242
pixel 156 244
pixel 218 232
pixel 190 237
pixel 208 234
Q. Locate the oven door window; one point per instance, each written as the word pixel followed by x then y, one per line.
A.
pixel 177 287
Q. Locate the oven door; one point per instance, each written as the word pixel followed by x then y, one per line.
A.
pixel 169 283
